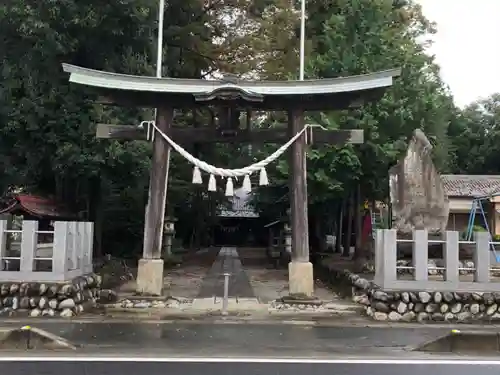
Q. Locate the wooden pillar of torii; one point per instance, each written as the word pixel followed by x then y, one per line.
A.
pixel 295 97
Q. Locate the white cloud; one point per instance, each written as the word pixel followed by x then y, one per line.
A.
pixel 467 45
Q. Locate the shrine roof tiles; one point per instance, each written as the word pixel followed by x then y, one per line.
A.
pixel 115 81
pixel 471 185
pixel 38 207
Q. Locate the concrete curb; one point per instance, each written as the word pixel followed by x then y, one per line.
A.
pixel 27 338
pixel 253 321
pixel 273 319
pixel 459 341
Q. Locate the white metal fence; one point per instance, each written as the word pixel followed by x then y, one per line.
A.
pixel 386 263
pixel 23 258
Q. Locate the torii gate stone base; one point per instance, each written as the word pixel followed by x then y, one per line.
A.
pixel 232 96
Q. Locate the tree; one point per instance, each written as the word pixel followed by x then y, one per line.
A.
pixel 348 37
pixel 475 137
pixel 48 142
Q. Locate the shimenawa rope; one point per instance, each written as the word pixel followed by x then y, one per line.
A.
pixel 200 165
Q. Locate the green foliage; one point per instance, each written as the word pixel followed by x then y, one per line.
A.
pixel 47 126
pixel 478 228
pixel 475 228
pixel 475 135
pixel 363 36
pixel 349 37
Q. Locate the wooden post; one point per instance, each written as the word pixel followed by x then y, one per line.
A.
pixel 339 231
pixel 150 270
pixel 298 190
pixel 346 252
pixel 153 229
pixel 301 281
pixel 358 220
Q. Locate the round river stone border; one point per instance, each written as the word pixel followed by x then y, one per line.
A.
pixel 420 306
pixel 50 299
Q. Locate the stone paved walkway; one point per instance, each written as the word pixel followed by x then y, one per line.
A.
pixel 269 283
pixel 254 285
pixel 251 277
pixel 227 262
pixel 183 281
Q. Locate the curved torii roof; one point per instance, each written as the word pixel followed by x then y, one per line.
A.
pixel 328 93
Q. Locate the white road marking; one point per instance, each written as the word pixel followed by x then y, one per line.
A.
pixel 252 360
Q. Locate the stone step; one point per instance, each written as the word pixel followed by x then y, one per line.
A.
pixel 335 307
pixel 343 306
pixel 239 304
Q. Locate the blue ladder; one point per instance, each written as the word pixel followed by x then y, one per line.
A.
pixel 477 203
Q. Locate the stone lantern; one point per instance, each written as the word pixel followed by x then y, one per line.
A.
pixel 168 236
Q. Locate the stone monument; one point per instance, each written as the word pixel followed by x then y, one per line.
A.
pixel 417 193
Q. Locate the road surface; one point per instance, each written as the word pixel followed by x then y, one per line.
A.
pixel 247 367
pixel 243 349
pixel 238 340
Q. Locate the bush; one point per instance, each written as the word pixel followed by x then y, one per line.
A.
pixel 478 228
pixel 475 228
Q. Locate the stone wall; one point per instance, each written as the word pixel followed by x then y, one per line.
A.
pixel 412 306
pixel 50 299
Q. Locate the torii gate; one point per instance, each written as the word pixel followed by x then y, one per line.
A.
pixel 295 97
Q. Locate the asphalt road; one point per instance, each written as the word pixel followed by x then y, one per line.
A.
pixel 219 349
pixel 47 367
pixel 237 340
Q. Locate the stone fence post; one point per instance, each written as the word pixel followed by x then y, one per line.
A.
pixel 386 263
pixel 3 243
pixel 450 255
pixel 420 255
pixel 60 257
pixel 29 241
pixel 73 245
pixel 385 257
pixel 88 247
pixel 482 257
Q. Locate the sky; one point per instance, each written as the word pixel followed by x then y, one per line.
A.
pixel 467 46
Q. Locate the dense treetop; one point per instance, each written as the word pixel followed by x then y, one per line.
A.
pixel 47 126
